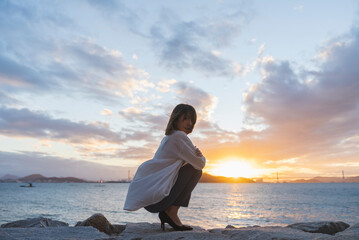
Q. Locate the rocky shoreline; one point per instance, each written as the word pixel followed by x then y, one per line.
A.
pixel 98 227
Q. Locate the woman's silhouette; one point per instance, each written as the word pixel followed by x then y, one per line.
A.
pixel 165 183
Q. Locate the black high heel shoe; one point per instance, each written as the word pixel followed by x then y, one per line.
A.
pixel 166 219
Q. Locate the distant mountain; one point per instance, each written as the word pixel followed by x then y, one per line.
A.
pixel 305 181
pixel 32 178
pixel 208 178
pixel 65 179
pixel 39 178
pixel 353 179
pixel 9 177
pixel 327 180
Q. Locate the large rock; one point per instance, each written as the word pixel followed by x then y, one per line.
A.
pixel 148 231
pixel 99 222
pixel 266 233
pixel 321 227
pixel 153 231
pixel 351 233
pixel 39 222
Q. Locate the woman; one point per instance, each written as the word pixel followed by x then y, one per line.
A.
pixel 164 183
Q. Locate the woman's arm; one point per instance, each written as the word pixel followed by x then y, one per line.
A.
pixel 188 152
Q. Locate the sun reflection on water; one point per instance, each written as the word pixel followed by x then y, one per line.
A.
pixel 239 215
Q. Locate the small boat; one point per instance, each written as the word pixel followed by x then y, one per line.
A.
pixel 30 185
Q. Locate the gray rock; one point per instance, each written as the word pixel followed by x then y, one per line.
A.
pixel 148 231
pixel 63 233
pixel 153 231
pixel 39 222
pixel 351 233
pixel 139 231
pixel 266 233
pixel 99 222
pixel 321 227
pixel 230 226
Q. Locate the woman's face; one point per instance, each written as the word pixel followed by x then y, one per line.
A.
pixel 185 123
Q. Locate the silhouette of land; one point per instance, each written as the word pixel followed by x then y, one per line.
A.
pixel 38 178
pixel 327 180
pixel 206 178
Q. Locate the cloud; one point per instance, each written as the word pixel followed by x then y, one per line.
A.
pixel 96 141
pixel 252 41
pixel 20 39
pixel 26 123
pixel 106 112
pixel 305 118
pixel 32 60
pixel 130 111
pixel 116 11
pixel 81 67
pixel 298 8
pixel 6 99
pixel 165 85
pixel 203 102
pixel 184 44
pixel 49 166
pixel 101 71
pixel 261 49
pixel 187 44
pixel 142 149
pixel 147 119
pixel 14 75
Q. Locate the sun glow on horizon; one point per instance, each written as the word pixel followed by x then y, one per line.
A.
pixel 234 168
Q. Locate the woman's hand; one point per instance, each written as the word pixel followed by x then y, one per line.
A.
pixel 198 152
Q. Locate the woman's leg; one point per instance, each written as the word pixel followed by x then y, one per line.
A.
pixel 172 212
pixel 183 199
pixel 180 193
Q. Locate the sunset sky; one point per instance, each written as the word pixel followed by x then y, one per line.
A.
pixel 86 87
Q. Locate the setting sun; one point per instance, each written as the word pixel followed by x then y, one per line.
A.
pixel 234 168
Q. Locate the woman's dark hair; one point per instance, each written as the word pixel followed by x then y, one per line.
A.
pixel 178 111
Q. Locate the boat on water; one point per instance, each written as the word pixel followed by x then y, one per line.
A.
pixel 30 185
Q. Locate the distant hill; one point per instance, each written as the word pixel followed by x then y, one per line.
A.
pixel 327 180
pixel 32 178
pixel 39 178
pixel 208 178
pixel 353 179
pixel 305 181
pixel 9 177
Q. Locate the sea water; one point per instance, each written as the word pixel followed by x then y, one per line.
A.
pixel 212 204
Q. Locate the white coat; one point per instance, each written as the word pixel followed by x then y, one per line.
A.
pixel 155 178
